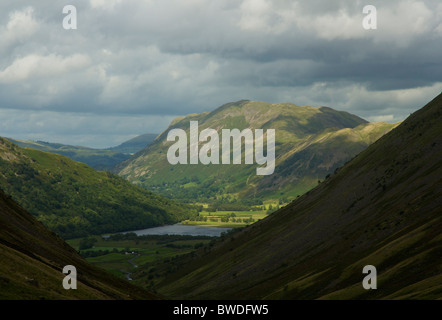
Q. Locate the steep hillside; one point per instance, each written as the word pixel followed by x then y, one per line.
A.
pixel 384 208
pixel 310 143
pixel 74 200
pixel 32 259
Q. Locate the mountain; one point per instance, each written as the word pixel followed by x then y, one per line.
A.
pixel 96 158
pixel 74 200
pixel 136 144
pixel 309 144
pixel 32 260
pixel 383 208
pixel 99 159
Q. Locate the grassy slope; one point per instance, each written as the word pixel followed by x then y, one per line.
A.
pixel 301 167
pixel 32 260
pixel 319 138
pixel 383 208
pixel 74 200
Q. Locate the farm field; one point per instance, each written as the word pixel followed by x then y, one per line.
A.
pixel 122 254
pixel 226 219
pixel 142 259
pixel 233 218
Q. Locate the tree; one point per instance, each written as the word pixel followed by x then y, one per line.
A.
pixel 87 243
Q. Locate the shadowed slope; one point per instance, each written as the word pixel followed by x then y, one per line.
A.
pixel 383 208
pixel 32 260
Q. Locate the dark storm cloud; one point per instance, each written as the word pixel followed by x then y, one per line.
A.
pixel 150 59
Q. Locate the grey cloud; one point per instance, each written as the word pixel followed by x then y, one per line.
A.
pixel 162 58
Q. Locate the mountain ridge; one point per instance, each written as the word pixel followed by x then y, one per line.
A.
pixel 99 159
pixel 135 144
pixel 296 127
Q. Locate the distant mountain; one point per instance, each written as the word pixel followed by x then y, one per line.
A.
pixel 383 208
pixel 310 143
pixel 135 145
pixel 32 259
pixel 99 159
pixel 73 199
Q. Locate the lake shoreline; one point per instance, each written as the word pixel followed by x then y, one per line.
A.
pixel 182 229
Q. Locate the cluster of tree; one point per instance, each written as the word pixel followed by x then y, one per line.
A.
pixel 161 239
pixel 87 243
pixel 97 253
pixel 231 217
pixel 200 218
pixel 228 218
pixel 201 192
pixel 213 207
pixel 272 208
pixel 178 246
pixel 214 190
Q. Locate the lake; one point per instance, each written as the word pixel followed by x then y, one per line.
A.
pixel 180 229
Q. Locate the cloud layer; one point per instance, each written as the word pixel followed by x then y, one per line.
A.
pixel 131 66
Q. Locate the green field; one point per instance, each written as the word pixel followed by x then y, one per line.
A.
pixel 144 259
pixel 227 219
pixel 122 254
pixel 233 218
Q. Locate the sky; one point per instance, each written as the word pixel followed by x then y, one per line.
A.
pixel 131 66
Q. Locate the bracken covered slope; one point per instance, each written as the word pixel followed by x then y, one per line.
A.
pixel 32 259
pixel 383 208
